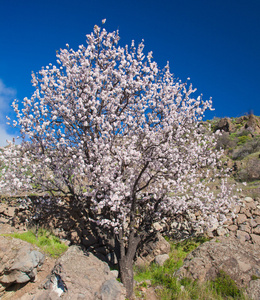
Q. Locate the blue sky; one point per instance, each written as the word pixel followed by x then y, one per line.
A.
pixel 215 43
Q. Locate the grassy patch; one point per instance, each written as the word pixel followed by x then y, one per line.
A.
pixel 168 287
pixel 45 240
pixel 226 287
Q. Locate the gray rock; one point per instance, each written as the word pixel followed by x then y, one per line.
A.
pixel 111 290
pixel 157 226
pixel 256 230
pixel 241 218
pixel 160 259
pixel 243 236
pixel 232 227
pixel 239 260
pixel 77 275
pixel 18 261
pixel 221 231
pixel 115 273
pixel 255 238
pixel 249 199
pixel 253 290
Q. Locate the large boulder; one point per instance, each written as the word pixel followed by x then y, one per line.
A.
pixel 253 290
pixel 79 275
pixel 224 124
pixel 241 261
pixel 19 261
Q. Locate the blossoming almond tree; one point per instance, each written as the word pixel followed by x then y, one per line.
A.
pixel 109 128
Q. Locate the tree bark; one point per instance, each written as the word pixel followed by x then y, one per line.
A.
pixel 127 276
pixel 126 260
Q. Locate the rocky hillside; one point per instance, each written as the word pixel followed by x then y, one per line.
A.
pixel 241 141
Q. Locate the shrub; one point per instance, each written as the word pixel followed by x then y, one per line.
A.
pixel 243 139
pixel 225 141
pixel 250 146
pixel 226 287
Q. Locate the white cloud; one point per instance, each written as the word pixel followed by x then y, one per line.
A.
pixel 4 136
pixel 7 95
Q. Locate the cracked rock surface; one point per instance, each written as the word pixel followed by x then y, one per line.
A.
pixel 19 262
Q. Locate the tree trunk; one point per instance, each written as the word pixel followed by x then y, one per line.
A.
pixel 127 276
pixel 126 259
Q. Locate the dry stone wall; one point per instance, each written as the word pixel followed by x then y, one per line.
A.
pixel 242 222
pixel 71 224
pixel 240 229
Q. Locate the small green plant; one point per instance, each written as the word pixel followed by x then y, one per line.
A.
pixel 45 240
pixel 254 277
pixel 226 287
pixel 243 139
pixel 233 136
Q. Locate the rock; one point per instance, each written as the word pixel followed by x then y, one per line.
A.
pixel 236 209
pixel 18 261
pixel 75 237
pixel 241 218
pixel 151 249
pixel 160 259
pixel 253 223
pixel 249 199
pixel 239 260
pixel 111 290
pixel 77 275
pixel 250 205
pixel 213 225
pixel 3 220
pixel 242 236
pixel 255 238
pixel 174 224
pixel 232 227
pixel 157 226
pixel 8 211
pixel 245 227
pixel 228 221
pixel 253 122
pixel 115 273
pixel 244 210
pixel 253 290
pixel 225 124
pixel 221 231
pixel 256 230
pixel 253 169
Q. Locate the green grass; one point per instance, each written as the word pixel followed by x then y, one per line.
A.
pixel 168 287
pixel 226 287
pixel 45 240
pixel 243 139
